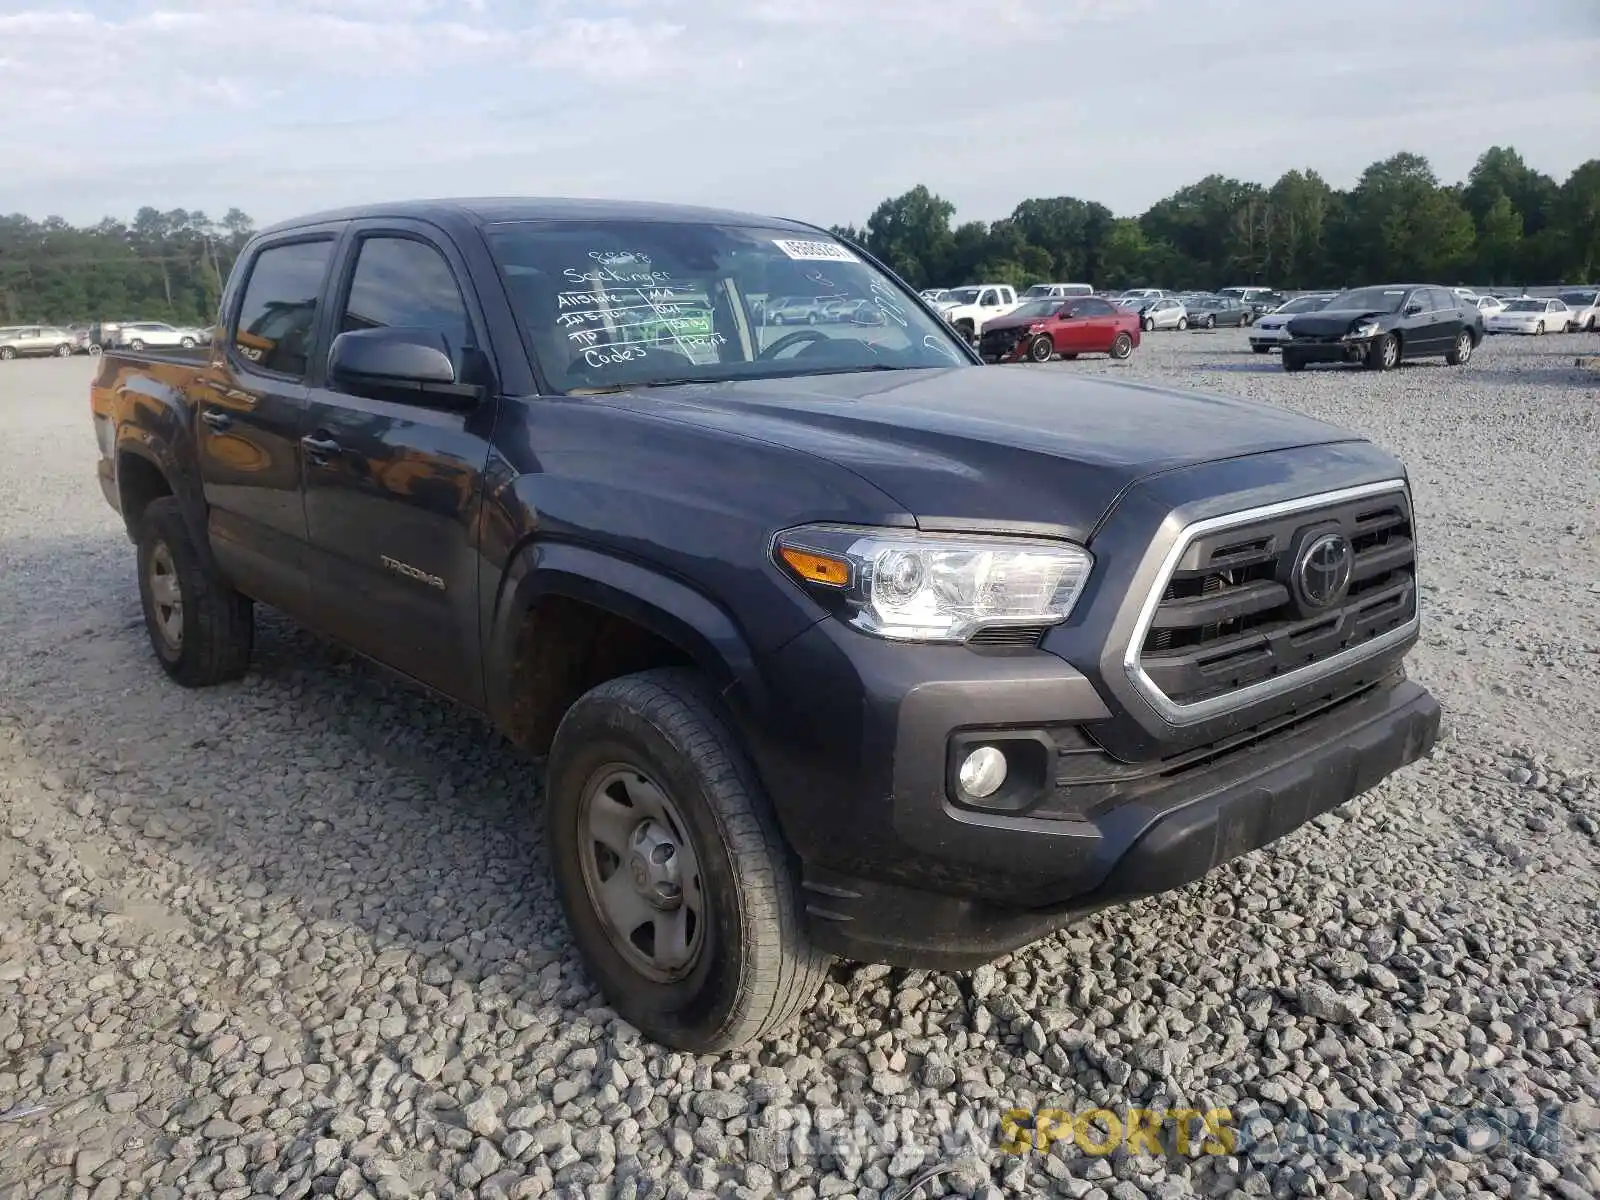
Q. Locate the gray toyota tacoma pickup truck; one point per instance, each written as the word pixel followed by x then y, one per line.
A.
pixel 837 642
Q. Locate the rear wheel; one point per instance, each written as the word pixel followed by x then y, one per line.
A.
pixel 1041 349
pixel 7 352
pixel 1461 351
pixel 136 344
pixel 1183 322
pixel 63 350
pixel 1259 347
pixel 1121 346
pixel 679 888
pixel 201 629
pixel 967 330
pixel 1147 324
pixel 187 343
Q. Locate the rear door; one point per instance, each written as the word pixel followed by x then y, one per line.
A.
pixel 1100 321
pixel 250 405
pixel 393 486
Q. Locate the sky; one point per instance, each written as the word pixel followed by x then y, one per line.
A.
pixel 814 109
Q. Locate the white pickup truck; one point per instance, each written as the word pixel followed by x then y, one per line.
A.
pixel 967 308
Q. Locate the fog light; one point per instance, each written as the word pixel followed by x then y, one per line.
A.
pixel 983 771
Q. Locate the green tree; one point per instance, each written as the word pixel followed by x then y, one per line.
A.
pixel 1577 221
pixel 912 234
pixel 1499 242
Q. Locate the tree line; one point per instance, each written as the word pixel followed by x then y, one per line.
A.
pixel 1505 225
pixel 162 266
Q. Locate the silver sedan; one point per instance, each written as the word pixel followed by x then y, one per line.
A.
pixel 1164 313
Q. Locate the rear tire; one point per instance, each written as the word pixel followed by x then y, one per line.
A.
pixel 136 345
pixel 208 639
pixel 1259 349
pixel 1121 346
pixel 745 970
pixel 1461 351
pixel 63 350
pixel 1183 323
pixel 187 343
pixel 1147 325
pixel 1041 349
pixel 7 353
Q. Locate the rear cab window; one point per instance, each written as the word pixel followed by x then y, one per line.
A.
pixel 277 319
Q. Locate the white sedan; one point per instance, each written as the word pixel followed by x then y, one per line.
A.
pixel 1489 305
pixel 1531 315
pixel 1585 306
pixel 1273 329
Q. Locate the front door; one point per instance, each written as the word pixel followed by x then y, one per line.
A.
pixel 249 402
pixel 393 485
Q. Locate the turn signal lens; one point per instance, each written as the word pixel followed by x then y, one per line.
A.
pixel 816 568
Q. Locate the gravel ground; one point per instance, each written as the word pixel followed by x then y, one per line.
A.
pixel 296 936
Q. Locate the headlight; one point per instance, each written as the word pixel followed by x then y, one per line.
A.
pixel 918 587
pixel 1366 329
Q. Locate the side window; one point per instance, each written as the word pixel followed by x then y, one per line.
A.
pixel 987 298
pixel 1096 308
pixel 399 281
pixel 279 310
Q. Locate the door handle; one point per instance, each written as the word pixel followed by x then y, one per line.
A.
pixel 219 421
pixel 319 448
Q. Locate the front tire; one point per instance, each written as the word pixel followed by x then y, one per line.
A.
pixel 64 350
pixel 136 345
pixel 7 353
pixel 1461 351
pixel 1041 349
pixel 1121 346
pixel 200 628
pixel 1259 348
pixel 692 927
pixel 1211 321
pixel 187 343
pixel 1384 354
pixel 1538 329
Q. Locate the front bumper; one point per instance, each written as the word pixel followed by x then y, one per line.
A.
pixel 1341 350
pixel 894 870
pixel 1268 337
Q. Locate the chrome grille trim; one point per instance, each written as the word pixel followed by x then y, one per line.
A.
pixel 1214 706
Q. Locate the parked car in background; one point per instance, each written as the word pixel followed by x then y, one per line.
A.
pixel 139 335
pixel 1378 327
pixel 1040 329
pixel 1162 312
pixel 1146 293
pixel 1584 304
pixel 934 295
pixel 1208 312
pixel 970 308
pixel 1057 291
pixel 1489 305
pixel 32 341
pixel 795 310
pixel 1532 315
pixel 1257 298
pixel 1272 330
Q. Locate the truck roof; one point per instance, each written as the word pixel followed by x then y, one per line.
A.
pixel 496 209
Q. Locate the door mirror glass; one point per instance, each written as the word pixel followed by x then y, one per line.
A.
pixel 397 363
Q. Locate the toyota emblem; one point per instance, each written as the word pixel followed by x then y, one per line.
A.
pixel 1324 570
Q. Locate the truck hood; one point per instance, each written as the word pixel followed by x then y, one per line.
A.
pixel 968 445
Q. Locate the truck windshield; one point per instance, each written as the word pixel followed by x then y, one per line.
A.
pixel 610 304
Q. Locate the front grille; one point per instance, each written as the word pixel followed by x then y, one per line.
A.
pixel 1233 614
pixel 1008 635
pixel 998 343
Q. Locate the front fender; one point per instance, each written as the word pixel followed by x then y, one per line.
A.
pixel 670 609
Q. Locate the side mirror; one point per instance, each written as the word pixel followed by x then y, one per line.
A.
pixel 393 362
pixel 1413 309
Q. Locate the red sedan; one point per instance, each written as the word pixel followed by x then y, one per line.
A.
pixel 1041 329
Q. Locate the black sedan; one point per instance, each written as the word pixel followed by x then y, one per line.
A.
pixel 1379 327
pixel 1208 312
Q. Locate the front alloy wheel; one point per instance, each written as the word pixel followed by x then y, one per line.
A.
pixel 166 600
pixel 1122 346
pixel 1041 349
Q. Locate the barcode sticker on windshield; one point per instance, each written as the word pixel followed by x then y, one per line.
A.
pixel 814 251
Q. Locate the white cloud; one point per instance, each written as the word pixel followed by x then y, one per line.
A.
pixel 817 108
